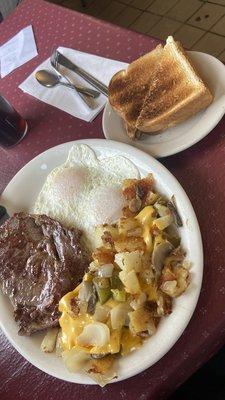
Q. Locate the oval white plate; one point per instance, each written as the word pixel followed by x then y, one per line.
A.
pixel 21 193
pixel 184 135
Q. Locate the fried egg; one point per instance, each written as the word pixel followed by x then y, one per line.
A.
pixel 85 191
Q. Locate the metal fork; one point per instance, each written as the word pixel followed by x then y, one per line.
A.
pixel 55 65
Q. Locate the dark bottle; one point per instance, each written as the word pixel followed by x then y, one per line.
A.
pixel 12 126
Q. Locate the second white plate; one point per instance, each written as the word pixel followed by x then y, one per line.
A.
pixel 184 135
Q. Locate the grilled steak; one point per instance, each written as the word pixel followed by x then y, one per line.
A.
pixel 40 261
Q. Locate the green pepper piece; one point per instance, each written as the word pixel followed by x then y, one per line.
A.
pixel 116 282
pixel 119 295
pixel 103 294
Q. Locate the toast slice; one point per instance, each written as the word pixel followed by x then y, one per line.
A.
pixel 129 88
pixel 159 90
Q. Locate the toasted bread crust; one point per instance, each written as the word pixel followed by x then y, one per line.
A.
pixel 158 90
pixel 128 88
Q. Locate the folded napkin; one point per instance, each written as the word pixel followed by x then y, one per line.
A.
pixel 67 99
pixel 17 51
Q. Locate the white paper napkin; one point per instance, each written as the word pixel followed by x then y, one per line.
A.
pixel 17 51
pixel 67 99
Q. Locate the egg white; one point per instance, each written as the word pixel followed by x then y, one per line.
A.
pixel 84 191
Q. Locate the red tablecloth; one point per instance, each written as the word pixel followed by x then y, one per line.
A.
pixel 201 171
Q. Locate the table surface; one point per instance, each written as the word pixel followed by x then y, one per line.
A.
pixel 200 170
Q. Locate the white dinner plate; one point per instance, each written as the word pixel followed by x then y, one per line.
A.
pixel 21 193
pixel 180 137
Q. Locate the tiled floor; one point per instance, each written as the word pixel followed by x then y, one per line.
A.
pixel 198 24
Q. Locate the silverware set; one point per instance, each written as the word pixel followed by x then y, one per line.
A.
pixel 50 79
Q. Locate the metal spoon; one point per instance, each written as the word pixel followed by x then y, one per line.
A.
pixel 49 79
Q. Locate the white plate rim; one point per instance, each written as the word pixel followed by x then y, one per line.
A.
pixel 122 148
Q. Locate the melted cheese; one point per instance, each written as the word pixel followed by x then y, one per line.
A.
pixel 72 325
pixel 129 342
pixel 146 218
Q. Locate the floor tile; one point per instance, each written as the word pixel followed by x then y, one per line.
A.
pixel 164 28
pixel 219 27
pixel 127 16
pixel 145 22
pixel 210 43
pixel 189 35
pixel 222 56
pixel 141 4
pixel 97 6
pixel 222 2
pixel 74 5
pixel 112 11
pixel 126 1
pixel 207 16
pixel 161 7
pixel 184 9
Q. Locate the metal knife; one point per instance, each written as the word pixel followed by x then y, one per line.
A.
pixel 62 60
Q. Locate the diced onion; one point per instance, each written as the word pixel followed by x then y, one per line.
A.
pixel 162 210
pixel 118 315
pixel 163 222
pixel 75 359
pixel 85 291
pixel 106 270
pixel 101 313
pixel 96 334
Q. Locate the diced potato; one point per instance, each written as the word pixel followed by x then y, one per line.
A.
pixel 163 222
pixel 164 303
pixel 170 288
pixel 175 281
pixel 126 225
pixel 130 281
pixel 138 187
pixel 141 321
pixel 146 215
pixel 130 243
pixel 183 278
pixel 103 256
pixel 49 341
pixel 138 301
pixel 100 232
pixel 151 198
pixel 128 261
pixel 151 290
